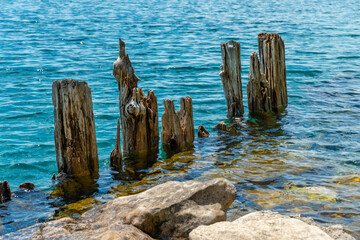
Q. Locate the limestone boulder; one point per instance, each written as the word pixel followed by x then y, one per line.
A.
pixel 170 210
pixel 67 228
pixel 266 225
pixel 167 211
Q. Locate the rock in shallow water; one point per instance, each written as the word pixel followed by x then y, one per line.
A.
pixel 167 211
pixel 27 185
pixel 267 225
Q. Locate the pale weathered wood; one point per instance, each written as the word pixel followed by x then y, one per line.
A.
pixel 272 65
pixel 5 192
pixel 230 72
pixel 138 113
pixel 115 156
pixel 177 129
pixel 257 88
pixel 75 138
pixel 202 132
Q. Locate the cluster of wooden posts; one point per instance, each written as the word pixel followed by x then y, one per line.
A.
pixel 75 139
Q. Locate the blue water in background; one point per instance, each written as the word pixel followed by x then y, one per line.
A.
pixel 174 47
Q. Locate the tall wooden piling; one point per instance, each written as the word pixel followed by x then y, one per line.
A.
pixel 177 130
pixel 272 65
pixel 75 138
pixel 230 72
pixel 138 113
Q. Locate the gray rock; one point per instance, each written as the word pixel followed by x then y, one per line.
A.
pixel 170 210
pixel 67 228
pixel 5 192
pixel 263 225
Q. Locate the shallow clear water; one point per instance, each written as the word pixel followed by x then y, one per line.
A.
pixel 175 49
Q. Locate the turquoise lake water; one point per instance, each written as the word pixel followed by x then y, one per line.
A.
pixel 303 161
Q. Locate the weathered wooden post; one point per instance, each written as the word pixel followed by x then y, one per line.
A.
pixel 230 72
pixel 5 192
pixel 138 113
pixel 257 88
pixel 177 130
pixel 272 65
pixel 115 156
pixel 75 138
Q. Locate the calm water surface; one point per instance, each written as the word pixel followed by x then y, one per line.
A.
pixel 304 161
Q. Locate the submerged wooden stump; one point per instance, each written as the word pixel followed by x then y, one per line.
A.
pixel 272 65
pixel 5 192
pixel 115 156
pixel 75 138
pixel 138 113
pixel 230 72
pixel 177 130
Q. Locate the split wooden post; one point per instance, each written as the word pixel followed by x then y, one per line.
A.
pixel 5 192
pixel 138 113
pixel 75 138
pixel 115 156
pixel 230 72
pixel 272 65
pixel 177 130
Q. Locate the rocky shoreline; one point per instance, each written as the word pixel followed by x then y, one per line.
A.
pixel 179 210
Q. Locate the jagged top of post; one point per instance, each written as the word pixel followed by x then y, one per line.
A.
pixel 231 43
pixel 70 82
pixel 270 36
pixel 122 48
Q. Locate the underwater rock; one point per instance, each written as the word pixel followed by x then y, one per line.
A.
pixel 138 113
pixel 202 132
pixel 220 126
pixel 27 185
pixel 177 130
pixel 264 225
pixel 75 138
pixel 5 192
pixel 230 73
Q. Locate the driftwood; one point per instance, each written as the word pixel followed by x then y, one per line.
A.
pixel 75 138
pixel 177 130
pixel 115 156
pixel 202 133
pixel 5 192
pixel 272 65
pixel 230 72
pixel 138 113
